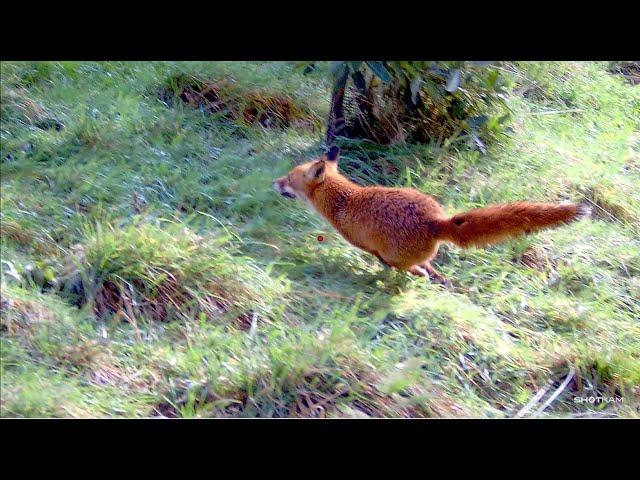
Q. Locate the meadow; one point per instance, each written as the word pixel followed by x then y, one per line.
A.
pixel 149 268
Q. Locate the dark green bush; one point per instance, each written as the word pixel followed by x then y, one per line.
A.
pixel 417 102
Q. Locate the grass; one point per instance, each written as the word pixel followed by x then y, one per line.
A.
pixel 149 269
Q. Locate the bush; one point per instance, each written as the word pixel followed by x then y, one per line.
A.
pixel 416 102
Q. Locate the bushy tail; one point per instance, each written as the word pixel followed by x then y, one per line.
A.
pixel 496 223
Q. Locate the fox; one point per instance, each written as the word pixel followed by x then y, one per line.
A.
pixel 404 227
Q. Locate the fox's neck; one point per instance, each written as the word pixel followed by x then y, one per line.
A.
pixel 332 195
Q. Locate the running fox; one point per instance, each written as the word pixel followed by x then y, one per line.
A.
pixel 404 227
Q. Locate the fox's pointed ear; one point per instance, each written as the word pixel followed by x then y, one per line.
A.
pixel 317 170
pixel 333 154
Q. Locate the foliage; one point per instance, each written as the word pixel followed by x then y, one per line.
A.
pixel 417 101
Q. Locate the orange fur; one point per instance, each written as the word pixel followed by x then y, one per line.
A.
pixel 404 227
pixel 496 223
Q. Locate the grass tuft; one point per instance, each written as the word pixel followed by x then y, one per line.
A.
pixel 145 271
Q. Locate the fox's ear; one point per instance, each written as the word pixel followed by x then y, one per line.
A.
pixel 317 170
pixel 333 154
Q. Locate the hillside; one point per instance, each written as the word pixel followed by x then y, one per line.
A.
pixel 149 269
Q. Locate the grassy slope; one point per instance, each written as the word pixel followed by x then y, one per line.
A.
pixel 329 331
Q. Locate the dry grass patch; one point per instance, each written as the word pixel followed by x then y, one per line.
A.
pixel 240 104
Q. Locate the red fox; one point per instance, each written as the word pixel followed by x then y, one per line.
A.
pixel 404 227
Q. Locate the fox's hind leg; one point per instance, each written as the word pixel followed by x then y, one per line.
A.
pixel 434 274
pixel 426 270
pixel 418 270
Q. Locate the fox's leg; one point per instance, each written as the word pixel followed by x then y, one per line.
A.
pixel 422 269
pixel 418 270
pixel 426 270
pixel 415 269
pixel 425 266
pixel 434 274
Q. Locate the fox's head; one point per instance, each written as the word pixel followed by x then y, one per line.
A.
pixel 303 179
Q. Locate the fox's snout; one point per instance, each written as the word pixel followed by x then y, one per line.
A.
pixel 281 185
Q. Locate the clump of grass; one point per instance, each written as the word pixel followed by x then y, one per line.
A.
pixel 608 203
pixel 169 272
pixel 234 102
pixel 311 387
pixel 48 330
pixel 629 70
pixel 309 371
pixel 16 105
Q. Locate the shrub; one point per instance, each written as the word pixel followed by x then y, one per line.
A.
pixel 416 102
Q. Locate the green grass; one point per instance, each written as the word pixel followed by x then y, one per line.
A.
pixel 148 268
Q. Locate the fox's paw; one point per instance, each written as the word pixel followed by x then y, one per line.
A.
pixel 419 270
pixel 434 276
